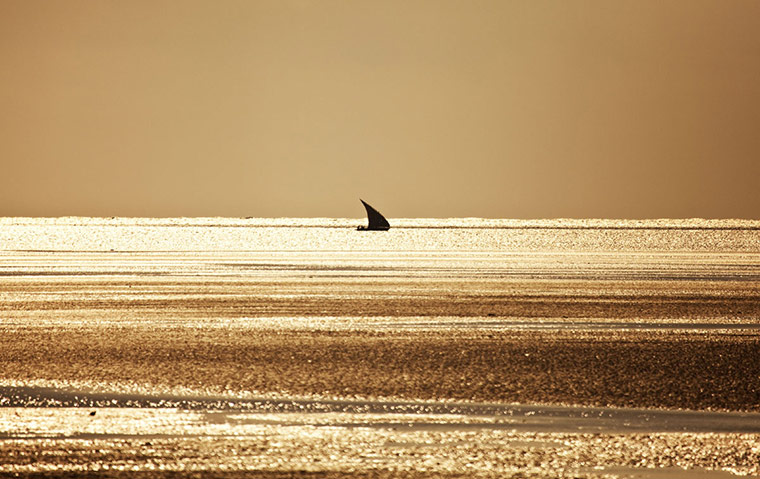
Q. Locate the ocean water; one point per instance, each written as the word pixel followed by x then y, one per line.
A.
pixel 242 344
pixel 445 273
pixel 468 249
pixel 328 235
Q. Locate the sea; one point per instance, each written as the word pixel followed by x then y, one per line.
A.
pixel 416 236
pixel 386 274
pixel 298 346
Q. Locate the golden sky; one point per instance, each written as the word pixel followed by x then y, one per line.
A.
pixel 439 108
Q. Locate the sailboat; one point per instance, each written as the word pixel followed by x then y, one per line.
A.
pixel 377 222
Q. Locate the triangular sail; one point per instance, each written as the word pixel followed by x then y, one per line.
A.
pixel 376 220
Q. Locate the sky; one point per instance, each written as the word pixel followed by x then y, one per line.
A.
pixel 424 108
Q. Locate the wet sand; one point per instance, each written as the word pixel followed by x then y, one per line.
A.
pixel 387 364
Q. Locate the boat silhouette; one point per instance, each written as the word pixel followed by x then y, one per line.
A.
pixel 377 222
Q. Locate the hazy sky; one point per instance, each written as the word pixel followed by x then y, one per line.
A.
pixel 513 109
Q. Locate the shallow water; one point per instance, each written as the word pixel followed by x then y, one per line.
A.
pixel 310 332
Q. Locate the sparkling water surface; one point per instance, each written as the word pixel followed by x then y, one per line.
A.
pixel 103 294
pixel 463 236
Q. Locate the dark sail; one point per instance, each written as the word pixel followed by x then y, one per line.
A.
pixel 377 222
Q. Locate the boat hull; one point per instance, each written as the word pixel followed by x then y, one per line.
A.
pixel 366 228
